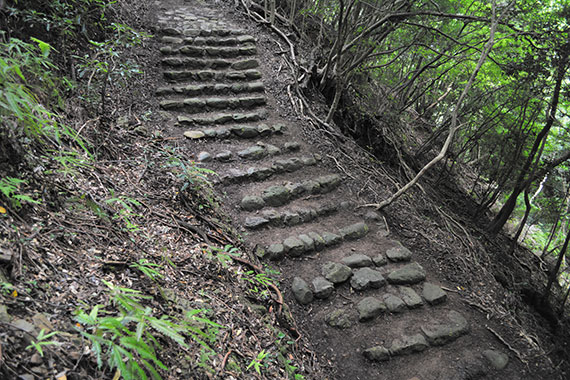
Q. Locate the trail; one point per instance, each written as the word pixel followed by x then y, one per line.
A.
pixel 368 304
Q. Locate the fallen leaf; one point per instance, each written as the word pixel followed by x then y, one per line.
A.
pixel 117 375
pixel 2 210
pixel 15 293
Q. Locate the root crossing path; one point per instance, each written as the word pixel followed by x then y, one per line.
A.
pixel 367 305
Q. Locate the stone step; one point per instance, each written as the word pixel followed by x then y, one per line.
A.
pixel 240 131
pixel 430 334
pixel 260 173
pixel 222 118
pixel 210 64
pixel 211 89
pixel 212 75
pixel 210 51
pixel 198 105
pixel 289 218
pixel 195 32
pixel 258 151
pixel 209 41
pixel 295 246
pixel 280 195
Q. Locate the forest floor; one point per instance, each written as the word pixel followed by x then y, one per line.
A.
pixel 283 274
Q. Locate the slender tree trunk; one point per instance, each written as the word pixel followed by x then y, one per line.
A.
pixel 554 274
pixel 528 206
pixel 525 178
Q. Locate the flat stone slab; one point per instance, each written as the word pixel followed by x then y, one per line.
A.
pixel 357 260
pixel 254 222
pixel 366 278
pixel 377 354
pixel 369 308
pixel 408 344
pixel 301 291
pixel 339 318
pixel 354 231
pixel 399 253
pixel 394 303
pixel 409 274
pixel 433 294
pixel 336 272
pixel 410 297
pixel 496 359
pixel 441 332
pixel 323 288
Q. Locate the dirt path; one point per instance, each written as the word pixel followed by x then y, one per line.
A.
pixel 371 307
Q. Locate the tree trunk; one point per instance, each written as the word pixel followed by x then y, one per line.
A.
pixel 525 178
pixel 554 273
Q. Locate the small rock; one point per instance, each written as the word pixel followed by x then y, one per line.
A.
pixel 366 278
pixel 294 246
pixel 292 146
pixel 309 243
pixel 272 150
pixel 322 287
pixel 377 354
pixel 194 135
pixel 354 231
pixel 410 297
pixel 329 182
pixel 440 333
pixel 301 291
pixel 272 215
pixel 265 130
pixel 399 253
pixel 224 155
pixel 379 260
pixel 276 195
pixel 291 218
pixel 254 222
pixel 24 325
pixel 245 131
pixel 409 274
pixel 394 303
pixel 204 157
pixel 497 359
pixel 36 359
pixel 357 260
pixel 371 215
pixel 6 256
pixel 336 272
pixel 331 239
pixel 276 251
pixel 253 153
pixel 318 240
pixel 251 203
pixel 408 344
pixel 370 308
pixel 433 294
pixel 339 319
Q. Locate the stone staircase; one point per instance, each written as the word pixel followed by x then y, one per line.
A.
pixel 361 297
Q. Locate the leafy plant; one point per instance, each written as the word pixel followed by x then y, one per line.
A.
pixel 10 188
pixel 189 172
pixel 41 341
pixel 126 338
pixel 148 269
pixel 223 255
pixel 256 363
pixel 126 212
